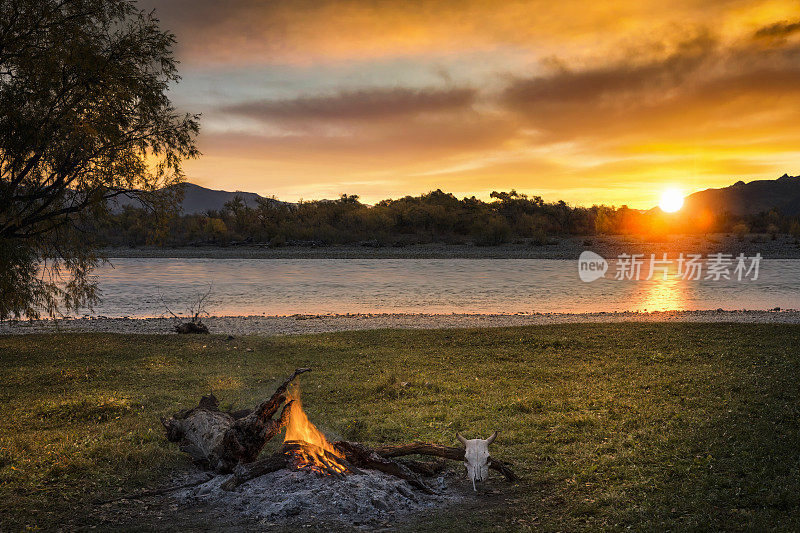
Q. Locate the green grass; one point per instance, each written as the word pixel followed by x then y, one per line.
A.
pixel 613 426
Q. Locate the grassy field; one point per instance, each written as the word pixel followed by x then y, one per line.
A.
pixel 613 426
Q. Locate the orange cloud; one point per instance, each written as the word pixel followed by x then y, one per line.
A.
pixel 309 31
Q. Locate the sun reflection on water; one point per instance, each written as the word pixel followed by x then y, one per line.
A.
pixel 660 292
pixel 664 295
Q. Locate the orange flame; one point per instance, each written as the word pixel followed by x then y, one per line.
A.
pixel 316 446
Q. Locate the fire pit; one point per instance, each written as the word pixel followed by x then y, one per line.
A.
pixel 334 477
pixel 301 497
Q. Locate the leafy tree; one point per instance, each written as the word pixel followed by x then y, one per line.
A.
pixel 84 119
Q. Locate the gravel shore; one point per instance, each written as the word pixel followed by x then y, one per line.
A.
pixel 608 246
pixel 299 324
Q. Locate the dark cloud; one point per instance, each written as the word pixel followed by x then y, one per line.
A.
pixel 367 104
pixel 778 30
pixel 694 91
pixel 610 83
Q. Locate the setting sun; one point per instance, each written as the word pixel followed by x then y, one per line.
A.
pixel 671 200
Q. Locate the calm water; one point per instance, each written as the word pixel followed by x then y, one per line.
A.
pixel 287 286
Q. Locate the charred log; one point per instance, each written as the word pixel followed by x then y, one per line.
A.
pixel 421 448
pixel 504 467
pixel 424 468
pixel 326 464
pixel 257 428
pixel 446 452
pixel 365 457
pixel 245 472
pixel 289 457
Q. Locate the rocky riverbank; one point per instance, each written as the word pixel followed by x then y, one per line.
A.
pixel 299 324
pixel 608 246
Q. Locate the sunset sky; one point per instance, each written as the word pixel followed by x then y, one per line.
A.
pixel 590 102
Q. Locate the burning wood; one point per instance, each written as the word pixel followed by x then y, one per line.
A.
pixel 307 446
pixel 230 442
pixel 305 456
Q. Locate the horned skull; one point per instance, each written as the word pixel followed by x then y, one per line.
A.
pixel 477 458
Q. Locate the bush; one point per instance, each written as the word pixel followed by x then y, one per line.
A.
pixel 773 230
pixel 741 230
pixel 495 231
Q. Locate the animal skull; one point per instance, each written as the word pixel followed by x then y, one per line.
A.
pixel 476 457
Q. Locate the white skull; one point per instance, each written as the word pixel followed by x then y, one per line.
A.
pixel 476 457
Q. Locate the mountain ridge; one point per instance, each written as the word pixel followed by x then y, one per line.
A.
pixel 198 199
pixel 739 199
pixel 751 198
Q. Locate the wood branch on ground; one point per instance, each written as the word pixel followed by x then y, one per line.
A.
pixel 446 452
pixel 195 325
pixel 421 448
pixel 246 471
pixel 286 458
pixel 425 468
pixel 158 492
pixel 365 457
pixel 191 327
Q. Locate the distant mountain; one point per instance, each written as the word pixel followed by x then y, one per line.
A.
pixel 197 199
pixel 782 194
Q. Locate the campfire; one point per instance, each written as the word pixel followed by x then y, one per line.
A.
pixel 230 443
pixel 306 446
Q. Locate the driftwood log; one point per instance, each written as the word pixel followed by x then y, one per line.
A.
pixel 230 442
pixel 221 440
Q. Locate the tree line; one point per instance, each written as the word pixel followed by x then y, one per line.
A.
pixel 435 217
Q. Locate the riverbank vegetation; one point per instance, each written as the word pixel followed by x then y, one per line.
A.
pixel 669 426
pixel 435 217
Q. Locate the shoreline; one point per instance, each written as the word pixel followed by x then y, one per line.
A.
pixel 608 246
pixel 302 324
